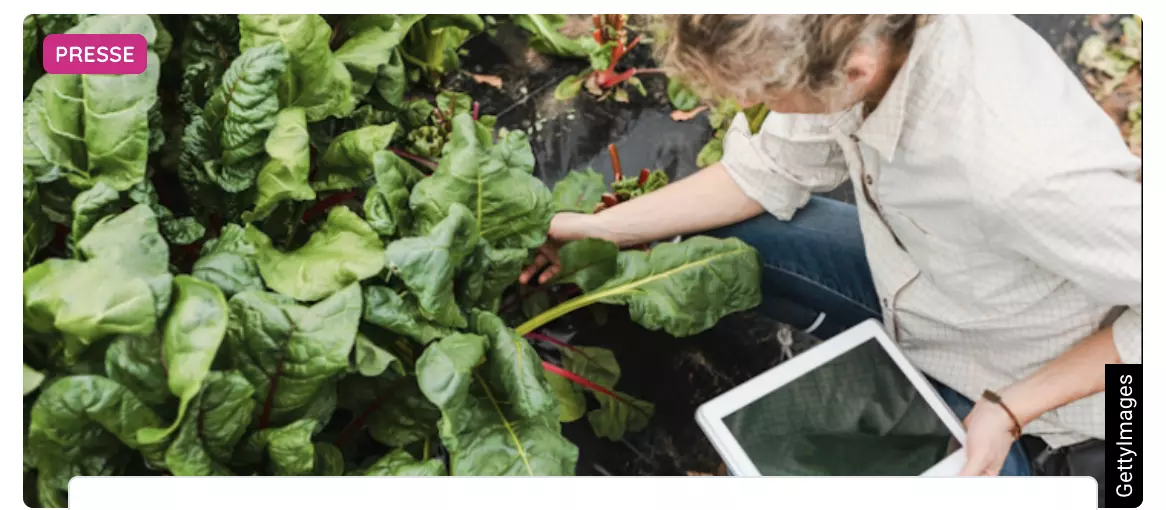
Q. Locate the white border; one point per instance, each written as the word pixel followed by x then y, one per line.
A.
pixel 711 414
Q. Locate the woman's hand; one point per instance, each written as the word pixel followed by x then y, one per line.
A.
pixel 565 227
pixel 989 439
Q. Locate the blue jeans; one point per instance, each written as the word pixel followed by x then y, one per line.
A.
pixel 815 277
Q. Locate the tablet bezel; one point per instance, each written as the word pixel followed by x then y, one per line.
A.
pixel 711 415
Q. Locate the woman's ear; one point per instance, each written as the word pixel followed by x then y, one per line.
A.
pixel 862 68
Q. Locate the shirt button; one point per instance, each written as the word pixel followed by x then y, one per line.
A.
pixel 869 181
pixel 886 303
pixel 854 138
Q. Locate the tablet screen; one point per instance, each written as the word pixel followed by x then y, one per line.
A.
pixel 855 415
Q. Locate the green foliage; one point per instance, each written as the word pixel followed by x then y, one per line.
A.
pixel 267 258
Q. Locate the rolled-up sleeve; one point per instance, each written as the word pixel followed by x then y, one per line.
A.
pixel 1086 225
pixel 777 171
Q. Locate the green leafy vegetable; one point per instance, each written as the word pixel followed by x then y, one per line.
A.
pixel 681 96
pixel 316 80
pixel 93 128
pixel 427 265
pixel 83 425
pixel 343 251
pixel 484 433
pixel 288 352
pixel 579 191
pixel 545 36
pixel 657 286
pixel 400 463
pixel 218 418
pixel 194 330
pixel 510 207
pixel 284 176
pixel 259 258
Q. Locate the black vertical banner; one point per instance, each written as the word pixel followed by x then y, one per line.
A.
pixel 1123 436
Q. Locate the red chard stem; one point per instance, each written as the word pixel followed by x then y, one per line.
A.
pixel 616 170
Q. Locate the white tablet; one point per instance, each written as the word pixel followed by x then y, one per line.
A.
pixel 852 406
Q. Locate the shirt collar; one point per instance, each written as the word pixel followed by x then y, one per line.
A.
pixel 884 126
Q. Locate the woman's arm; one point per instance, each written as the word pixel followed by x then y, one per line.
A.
pixel 702 201
pixel 705 200
pixel 1076 374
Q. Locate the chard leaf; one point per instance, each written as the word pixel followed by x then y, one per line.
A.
pixel 682 97
pixel 217 420
pixel 210 44
pixel 194 331
pixel 685 288
pixel 399 463
pixel 469 22
pixel 396 412
pixel 90 206
pixel 349 161
pixel 93 128
pixel 487 273
pixel 510 207
pixel 329 460
pixel 616 417
pixel 386 308
pixel 127 260
pixel 570 86
pixel 580 191
pixel 545 37
pixel 483 433
pixel 712 152
pixel 514 367
pixel 290 353
pixel 364 54
pixel 136 363
pixel 132 241
pixel 396 24
pixel 180 231
pixel 453 103
pixel 316 80
pixel 386 206
pixel 284 176
pixel 226 142
pixel 513 150
pixel 345 250
pixel 588 263
pixel 595 364
pixel 372 360
pixel 682 288
pixel 427 265
pixel 288 449
pixel 572 403
pixel 38 229
pixel 228 262
pixel 391 81
pixel 81 424
pixel 32 380
pixel 125 304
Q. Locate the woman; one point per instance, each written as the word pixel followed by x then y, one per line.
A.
pixel 997 232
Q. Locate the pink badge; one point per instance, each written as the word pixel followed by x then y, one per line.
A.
pixel 95 54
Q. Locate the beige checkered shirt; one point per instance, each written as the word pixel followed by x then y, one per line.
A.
pixel 999 207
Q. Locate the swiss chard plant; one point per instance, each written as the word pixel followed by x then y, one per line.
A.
pixel 254 259
pixel 608 76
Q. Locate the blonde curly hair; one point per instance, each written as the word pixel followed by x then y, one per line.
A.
pixel 743 56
